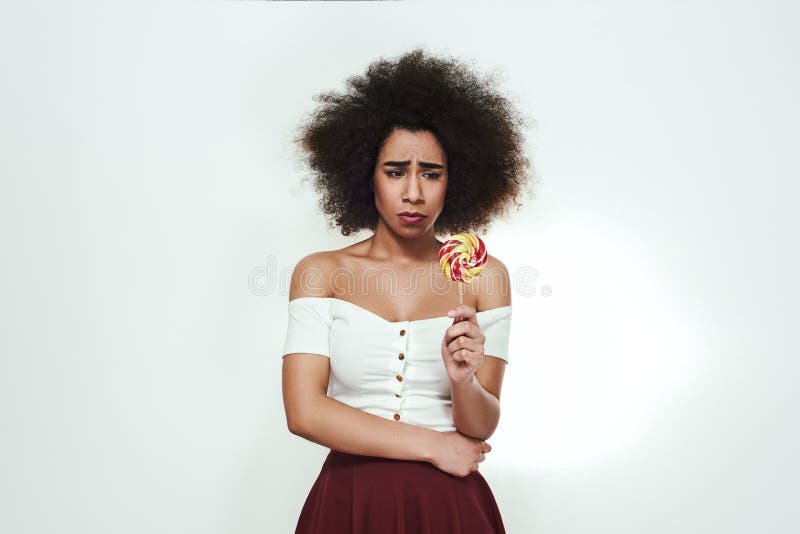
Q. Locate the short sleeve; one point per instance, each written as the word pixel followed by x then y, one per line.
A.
pixel 496 326
pixel 309 326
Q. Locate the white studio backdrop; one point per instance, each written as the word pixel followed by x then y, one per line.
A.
pixel 152 211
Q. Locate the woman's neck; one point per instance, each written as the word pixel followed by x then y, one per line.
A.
pixel 387 245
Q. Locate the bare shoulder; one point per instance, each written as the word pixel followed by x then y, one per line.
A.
pixel 310 277
pixel 494 285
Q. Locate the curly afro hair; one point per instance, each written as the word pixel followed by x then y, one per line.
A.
pixel 478 128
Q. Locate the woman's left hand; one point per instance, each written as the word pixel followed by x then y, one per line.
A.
pixel 462 346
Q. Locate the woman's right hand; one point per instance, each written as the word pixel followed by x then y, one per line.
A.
pixel 458 454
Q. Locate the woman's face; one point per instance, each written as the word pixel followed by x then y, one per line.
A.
pixel 410 176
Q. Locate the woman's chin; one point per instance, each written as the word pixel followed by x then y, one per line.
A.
pixel 412 229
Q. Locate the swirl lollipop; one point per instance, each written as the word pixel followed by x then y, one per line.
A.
pixel 462 258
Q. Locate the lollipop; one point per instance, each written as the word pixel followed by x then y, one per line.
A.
pixel 462 258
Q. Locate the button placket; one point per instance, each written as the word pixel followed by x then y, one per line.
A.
pixel 399 376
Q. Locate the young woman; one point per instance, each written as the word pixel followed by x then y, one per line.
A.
pixel 381 363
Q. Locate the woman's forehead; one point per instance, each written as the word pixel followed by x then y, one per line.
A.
pixel 404 145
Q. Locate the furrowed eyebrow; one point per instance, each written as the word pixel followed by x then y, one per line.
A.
pixel 426 164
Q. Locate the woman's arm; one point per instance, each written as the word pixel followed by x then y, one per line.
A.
pixel 476 402
pixel 339 426
pixel 476 412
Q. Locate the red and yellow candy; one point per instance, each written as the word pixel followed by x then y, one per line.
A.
pixel 462 258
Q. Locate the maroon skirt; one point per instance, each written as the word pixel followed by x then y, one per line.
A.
pixel 366 494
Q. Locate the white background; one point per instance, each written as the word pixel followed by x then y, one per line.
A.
pixel 152 209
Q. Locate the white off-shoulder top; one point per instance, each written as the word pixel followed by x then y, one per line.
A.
pixel 391 369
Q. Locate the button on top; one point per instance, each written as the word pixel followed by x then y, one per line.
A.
pixel 402 332
pixel 399 378
pixel 397 417
pixel 401 355
pixel 396 394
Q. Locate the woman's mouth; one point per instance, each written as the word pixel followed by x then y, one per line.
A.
pixel 411 219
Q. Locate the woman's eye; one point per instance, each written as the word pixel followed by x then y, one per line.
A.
pixel 431 175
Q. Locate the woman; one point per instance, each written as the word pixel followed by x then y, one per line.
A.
pixel 381 364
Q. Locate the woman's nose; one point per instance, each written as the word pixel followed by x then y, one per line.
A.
pixel 413 191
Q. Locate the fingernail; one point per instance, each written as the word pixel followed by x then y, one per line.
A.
pixel 451 313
